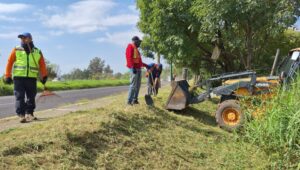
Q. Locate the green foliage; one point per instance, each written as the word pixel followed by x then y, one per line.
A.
pixel 278 131
pixel 69 85
pixel 96 70
pixel 185 32
pixel 244 27
pixel 5 90
pixel 77 74
pixel 108 71
pixel 96 66
pixel 53 70
pixel 171 30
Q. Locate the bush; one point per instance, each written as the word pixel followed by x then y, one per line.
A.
pixel 69 85
pixel 278 132
pixel 5 89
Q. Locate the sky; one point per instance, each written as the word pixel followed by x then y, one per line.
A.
pixel 297 24
pixel 71 32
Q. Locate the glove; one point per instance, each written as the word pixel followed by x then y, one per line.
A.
pixel 8 80
pixel 44 80
pixel 134 71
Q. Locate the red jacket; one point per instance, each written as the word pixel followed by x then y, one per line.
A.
pixel 132 60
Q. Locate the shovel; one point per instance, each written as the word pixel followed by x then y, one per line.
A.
pixel 148 98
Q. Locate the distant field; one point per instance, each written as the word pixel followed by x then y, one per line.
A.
pixel 68 85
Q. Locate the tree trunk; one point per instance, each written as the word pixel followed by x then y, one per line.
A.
pixel 228 59
pixel 249 47
pixel 229 62
pixel 195 79
pixel 158 58
pixel 242 61
pixel 185 73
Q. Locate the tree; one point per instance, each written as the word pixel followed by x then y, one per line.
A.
pixel 77 74
pixel 118 75
pixel 185 32
pixel 96 66
pixel 52 69
pixel 242 28
pixel 108 71
pixel 172 30
pixel 96 70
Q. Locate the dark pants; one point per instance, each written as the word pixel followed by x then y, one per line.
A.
pixel 151 89
pixel 25 87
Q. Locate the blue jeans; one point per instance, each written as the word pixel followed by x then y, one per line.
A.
pixel 135 85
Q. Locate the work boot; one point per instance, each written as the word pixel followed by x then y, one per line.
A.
pixel 22 118
pixel 30 117
pixel 129 103
pixel 136 102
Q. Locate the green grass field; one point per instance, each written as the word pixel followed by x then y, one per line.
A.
pixel 68 85
pixel 278 131
pixel 140 137
pixel 125 137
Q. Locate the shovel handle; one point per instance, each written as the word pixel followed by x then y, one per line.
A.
pixel 153 85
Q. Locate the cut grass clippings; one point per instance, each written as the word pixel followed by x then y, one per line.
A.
pixel 126 137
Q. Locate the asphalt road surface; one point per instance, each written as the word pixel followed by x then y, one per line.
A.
pixel 7 103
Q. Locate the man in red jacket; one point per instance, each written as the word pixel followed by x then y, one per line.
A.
pixel 134 63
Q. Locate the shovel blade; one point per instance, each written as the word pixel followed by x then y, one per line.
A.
pixel 149 100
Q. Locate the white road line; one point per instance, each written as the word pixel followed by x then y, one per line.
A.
pixel 6 103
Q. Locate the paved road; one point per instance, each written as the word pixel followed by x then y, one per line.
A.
pixel 7 103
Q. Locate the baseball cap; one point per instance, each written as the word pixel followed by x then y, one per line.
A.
pixel 136 38
pixel 25 34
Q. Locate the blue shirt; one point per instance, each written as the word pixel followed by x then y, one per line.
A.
pixel 155 72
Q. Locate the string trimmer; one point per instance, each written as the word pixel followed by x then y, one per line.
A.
pixel 46 92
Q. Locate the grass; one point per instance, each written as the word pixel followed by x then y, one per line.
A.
pixel 278 131
pixel 68 85
pixel 124 137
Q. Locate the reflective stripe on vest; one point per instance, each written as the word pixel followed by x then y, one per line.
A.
pixel 20 67
pixel 26 65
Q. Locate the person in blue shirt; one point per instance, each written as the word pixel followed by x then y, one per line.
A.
pixel 153 74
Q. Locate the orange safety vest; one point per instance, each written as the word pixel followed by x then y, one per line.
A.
pixel 136 56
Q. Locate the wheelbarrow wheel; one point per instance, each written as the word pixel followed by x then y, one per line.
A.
pixel 229 115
